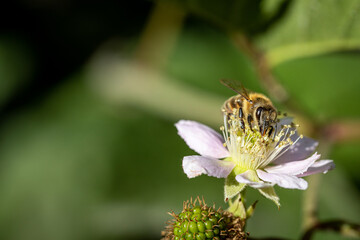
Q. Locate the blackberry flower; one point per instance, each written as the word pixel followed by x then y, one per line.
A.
pixel 246 157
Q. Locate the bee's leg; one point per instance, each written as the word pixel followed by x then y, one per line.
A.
pixel 266 126
pixel 271 128
pixel 260 123
pixel 250 119
pixel 275 131
pixel 242 124
pixel 241 115
pixel 263 128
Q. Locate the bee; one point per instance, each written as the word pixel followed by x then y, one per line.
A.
pixel 251 108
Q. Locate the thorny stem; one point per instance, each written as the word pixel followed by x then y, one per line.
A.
pixel 276 91
pixel 341 226
pixel 345 228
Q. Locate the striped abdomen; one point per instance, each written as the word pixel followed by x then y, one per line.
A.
pixel 235 102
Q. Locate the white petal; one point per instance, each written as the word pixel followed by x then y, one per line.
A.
pixel 294 168
pixel 249 177
pixel 298 151
pixel 196 165
pixel 322 166
pixel 202 139
pixel 283 180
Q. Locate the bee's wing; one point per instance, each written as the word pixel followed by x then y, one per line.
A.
pixel 236 86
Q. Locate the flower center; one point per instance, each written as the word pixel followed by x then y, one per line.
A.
pixel 251 148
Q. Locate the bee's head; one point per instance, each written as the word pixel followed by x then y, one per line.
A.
pixel 272 115
pixel 265 116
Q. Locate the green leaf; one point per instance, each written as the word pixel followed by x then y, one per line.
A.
pixel 270 193
pixel 232 187
pixel 311 28
pixel 326 87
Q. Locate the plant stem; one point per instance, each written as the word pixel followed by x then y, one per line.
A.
pixel 340 226
pixel 310 202
pixel 160 34
pixel 310 197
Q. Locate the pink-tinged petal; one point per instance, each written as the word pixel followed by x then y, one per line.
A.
pixel 294 168
pixel 284 121
pixel 249 177
pixel 202 139
pixel 283 180
pixel 298 151
pixel 322 166
pixel 196 165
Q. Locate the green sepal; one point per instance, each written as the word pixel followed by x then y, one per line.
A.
pixel 269 193
pixel 237 207
pixel 250 210
pixel 232 187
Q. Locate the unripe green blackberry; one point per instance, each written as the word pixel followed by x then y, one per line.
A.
pixel 197 221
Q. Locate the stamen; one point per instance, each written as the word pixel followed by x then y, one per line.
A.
pixel 293 144
pixel 253 147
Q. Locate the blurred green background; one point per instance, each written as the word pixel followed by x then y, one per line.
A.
pixel 90 92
